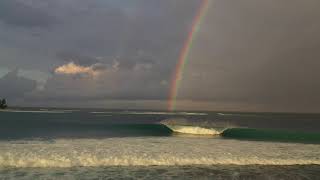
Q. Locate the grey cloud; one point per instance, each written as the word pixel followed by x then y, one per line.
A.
pixel 100 63
pixel 137 83
pixel 99 67
pixel 77 58
pixel 14 87
pixel 108 29
pixel 17 13
pixel 256 53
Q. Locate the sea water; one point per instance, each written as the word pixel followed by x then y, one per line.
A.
pixel 97 144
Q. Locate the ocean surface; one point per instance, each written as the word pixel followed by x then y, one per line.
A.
pixel 99 144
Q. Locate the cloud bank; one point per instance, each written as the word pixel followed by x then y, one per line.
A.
pixel 247 55
pixel 14 87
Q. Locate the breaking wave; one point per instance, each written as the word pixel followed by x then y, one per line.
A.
pixel 195 130
pixel 196 127
pixel 227 130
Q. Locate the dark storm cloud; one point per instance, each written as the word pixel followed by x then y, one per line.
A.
pixel 17 13
pixel 77 58
pixel 257 52
pixel 14 87
pixel 124 61
pixel 110 29
pixel 246 53
pixel 112 82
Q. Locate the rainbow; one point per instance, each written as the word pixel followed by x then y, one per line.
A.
pixel 184 54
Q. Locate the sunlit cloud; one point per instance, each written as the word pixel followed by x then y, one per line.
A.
pixel 74 69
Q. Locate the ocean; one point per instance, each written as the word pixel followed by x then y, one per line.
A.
pixel 119 144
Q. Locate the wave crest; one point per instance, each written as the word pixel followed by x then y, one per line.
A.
pixel 195 130
pixel 196 127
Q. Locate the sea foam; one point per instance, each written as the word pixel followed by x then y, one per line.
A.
pixel 154 151
pixel 196 126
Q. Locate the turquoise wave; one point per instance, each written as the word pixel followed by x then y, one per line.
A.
pixel 249 134
pixel 271 135
pixel 66 130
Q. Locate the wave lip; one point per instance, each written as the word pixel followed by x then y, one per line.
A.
pixel 195 127
pixel 195 130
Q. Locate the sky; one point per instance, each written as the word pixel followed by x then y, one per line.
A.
pixel 247 55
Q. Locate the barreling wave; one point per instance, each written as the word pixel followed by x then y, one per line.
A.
pixel 195 130
pixel 227 130
pixel 196 127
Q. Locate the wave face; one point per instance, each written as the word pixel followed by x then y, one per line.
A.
pixel 169 151
pixel 271 135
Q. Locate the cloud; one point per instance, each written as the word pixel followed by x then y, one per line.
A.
pixel 80 59
pixel 99 81
pixel 246 53
pixel 93 29
pixel 15 12
pixel 95 69
pixel 256 53
pixel 74 69
pixel 13 86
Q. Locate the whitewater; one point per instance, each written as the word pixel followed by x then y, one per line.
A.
pixel 149 151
